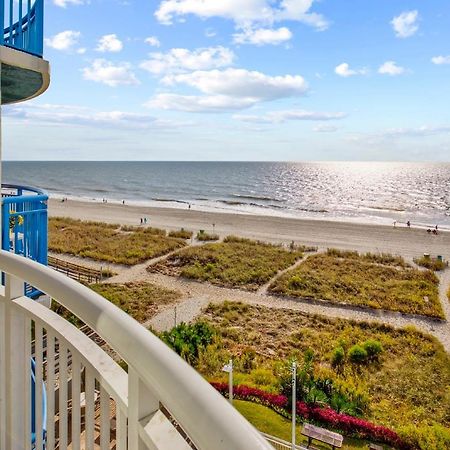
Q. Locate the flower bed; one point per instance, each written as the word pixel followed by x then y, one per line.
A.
pixel 344 423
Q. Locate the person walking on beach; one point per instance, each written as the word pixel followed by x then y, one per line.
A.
pixel 408 224
pixel 142 221
pixel 145 220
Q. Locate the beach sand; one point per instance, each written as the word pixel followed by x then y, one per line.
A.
pixel 374 238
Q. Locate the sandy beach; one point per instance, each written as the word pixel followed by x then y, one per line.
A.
pixel 375 238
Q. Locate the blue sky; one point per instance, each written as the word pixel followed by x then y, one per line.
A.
pixel 240 80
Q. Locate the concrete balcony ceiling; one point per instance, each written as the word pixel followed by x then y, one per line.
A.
pixel 23 76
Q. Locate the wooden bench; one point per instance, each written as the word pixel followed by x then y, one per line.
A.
pixel 322 435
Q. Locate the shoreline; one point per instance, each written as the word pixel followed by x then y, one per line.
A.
pixel 407 242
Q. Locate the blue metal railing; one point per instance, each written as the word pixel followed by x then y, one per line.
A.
pixel 25 224
pixel 23 25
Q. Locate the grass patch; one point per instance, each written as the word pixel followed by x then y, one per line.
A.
pixel 181 234
pixel 376 281
pixel 203 236
pixel 109 242
pixel 268 421
pixel 235 262
pixel 140 300
pixel 408 384
pixel 431 263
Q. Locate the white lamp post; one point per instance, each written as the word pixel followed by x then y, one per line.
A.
pixel 294 395
pixel 229 368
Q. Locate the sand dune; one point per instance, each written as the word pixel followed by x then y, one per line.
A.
pixel 376 238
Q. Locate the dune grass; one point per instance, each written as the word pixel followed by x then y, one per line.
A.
pixel 376 281
pixel 431 263
pixel 140 300
pixel 181 234
pixel 408 385
pixel 109 242
pixel 235 262
pixel 268 421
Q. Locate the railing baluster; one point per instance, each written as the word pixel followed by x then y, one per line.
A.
pixel 62 394
pixel 76 409
pixel 105 424
pixel 121 429
pixel 11 8
pixel 38 384
pixel 90 409
pixel 19 28
pixel 50 391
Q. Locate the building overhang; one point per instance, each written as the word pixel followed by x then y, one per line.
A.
pixel 23 76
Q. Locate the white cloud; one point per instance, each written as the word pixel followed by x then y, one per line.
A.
pixel 181 60
pixel 227 90
pixel 441 60
pixel 108 73
pixel 422 131
pixel 198 103
pixel 81 51
pixel 153 41
pixel 77 115
pixel 263 36
pixel 109 43
pixel 343 70
pixel 241 83
pixel 242 12
pixel 405 25
pixel 66 40
pixel 210 32
pixel 325 129
pixel 64 3
pixel 289 115
pixel 391 68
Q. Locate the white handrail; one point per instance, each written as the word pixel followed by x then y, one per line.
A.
pixel 206 417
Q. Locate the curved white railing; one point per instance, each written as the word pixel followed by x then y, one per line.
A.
pixel 92 392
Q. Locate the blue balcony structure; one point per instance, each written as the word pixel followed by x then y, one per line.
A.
pixel 24 219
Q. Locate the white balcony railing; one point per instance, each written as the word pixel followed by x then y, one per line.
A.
pixel 91 402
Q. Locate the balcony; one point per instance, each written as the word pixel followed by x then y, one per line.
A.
pixel 24 74
pixel 91 402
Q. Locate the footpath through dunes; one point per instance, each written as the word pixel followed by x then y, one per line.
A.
pixel 198 294
pixel 409 243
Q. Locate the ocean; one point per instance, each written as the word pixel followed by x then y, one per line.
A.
pixel 369 192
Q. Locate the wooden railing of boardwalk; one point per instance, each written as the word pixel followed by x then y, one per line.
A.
pixel 76 271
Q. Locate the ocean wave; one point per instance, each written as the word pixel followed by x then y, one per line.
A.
pixel 257 197
pixel 170 200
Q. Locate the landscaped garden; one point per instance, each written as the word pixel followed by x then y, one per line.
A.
pixel 235 262
pixel 109 242
pixel 363 380
pixel 376 281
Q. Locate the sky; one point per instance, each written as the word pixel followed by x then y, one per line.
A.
pixel 293 80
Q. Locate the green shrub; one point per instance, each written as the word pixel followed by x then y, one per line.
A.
pixel 337 359
pixel 357 354
pixel 430 263
pixel 189 340
pixel 426 437
pixel 373 348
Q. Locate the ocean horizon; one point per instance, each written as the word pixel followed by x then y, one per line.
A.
pixel 366 192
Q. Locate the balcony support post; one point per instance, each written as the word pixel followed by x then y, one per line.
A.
pixel 141 405
pixel 15 381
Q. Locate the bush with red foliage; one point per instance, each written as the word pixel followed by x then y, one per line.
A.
pixel 348 425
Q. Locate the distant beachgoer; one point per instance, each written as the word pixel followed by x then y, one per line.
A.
pixel 145 220
pixel 142 220
pixel 123 202
pixel 436 227
pixel 429 230
pixel 189 207
pixel 395 223
pixel 435 231
pixel 408 224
